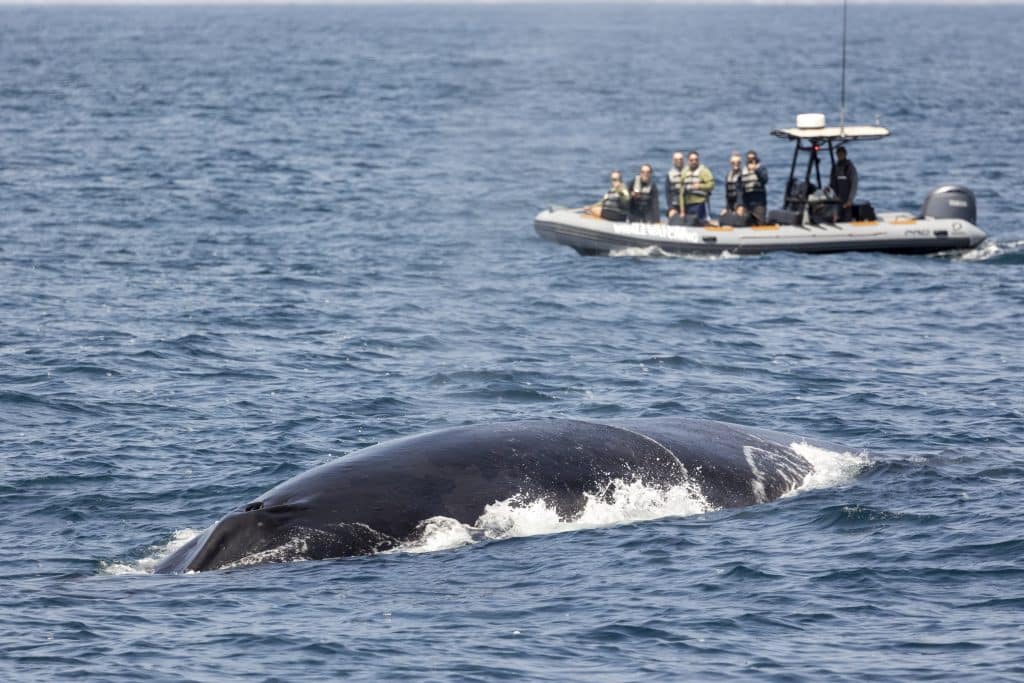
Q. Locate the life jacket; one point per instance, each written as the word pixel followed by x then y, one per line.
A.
pixel 643 201
pixel 643 198
pixel 691 185
pixel 753 190
pixel 675 184
pixel 614 204
pixel 731 191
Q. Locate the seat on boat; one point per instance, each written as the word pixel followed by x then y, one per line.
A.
pixel 785 217
pixel 734 220
pixel 796 194
pixel 792 211
pixel 823 212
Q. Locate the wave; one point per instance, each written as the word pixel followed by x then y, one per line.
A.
pixel 828 468
pixel 996 252
pixel 154 554
pixel 658 252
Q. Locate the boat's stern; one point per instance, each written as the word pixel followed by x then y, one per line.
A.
pixel 974 234
pixel 958 205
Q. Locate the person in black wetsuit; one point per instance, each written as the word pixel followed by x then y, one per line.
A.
pixel 844 183
pixel 755 196
pixel 643 197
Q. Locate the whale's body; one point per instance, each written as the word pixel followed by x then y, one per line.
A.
pixel 377 498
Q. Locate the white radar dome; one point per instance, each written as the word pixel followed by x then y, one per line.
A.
pixel 810 120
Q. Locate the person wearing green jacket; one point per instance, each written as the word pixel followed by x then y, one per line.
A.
pixel 697 185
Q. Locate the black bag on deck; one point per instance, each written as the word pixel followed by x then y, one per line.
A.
pixel 785 217
pixel 863 211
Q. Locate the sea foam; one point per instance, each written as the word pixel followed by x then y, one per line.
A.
pixel 154 555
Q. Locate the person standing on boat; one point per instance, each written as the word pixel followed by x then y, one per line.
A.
pixel 674 184
pixel 614 206
pixel 733 184
pixel 697 185
pixel 643 197
pixel 844 183
pixel 755 196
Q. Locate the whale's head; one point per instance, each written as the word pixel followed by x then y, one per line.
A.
pixel 261 533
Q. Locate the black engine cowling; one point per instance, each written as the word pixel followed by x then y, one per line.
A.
pixel 950 201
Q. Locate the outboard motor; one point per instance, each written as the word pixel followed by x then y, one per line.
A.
pixel 950 201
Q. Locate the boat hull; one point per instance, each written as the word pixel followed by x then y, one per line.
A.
pixel 897 233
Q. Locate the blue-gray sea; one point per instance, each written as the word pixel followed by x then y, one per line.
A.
pixel 239 242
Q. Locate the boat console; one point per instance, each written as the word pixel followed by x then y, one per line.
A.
pixel 807 198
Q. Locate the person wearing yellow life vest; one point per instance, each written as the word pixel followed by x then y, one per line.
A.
pixel 643 197
pixel 614 205
pixel 697 185
pixel 674 185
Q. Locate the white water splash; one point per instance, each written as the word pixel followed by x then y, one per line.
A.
pixel 990 249
pixel 153 557
pixel 439 533
pixel 515 517
pixel 828 468
pixel 658 252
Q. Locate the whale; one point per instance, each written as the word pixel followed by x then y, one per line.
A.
pixel 377 498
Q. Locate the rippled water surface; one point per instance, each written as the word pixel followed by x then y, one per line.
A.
pixel 237 243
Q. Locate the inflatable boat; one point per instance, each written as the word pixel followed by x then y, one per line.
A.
pixel 805 223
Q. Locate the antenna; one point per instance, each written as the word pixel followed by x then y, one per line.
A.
pixel 842 103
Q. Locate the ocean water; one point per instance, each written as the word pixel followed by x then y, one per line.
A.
pixel 236 243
